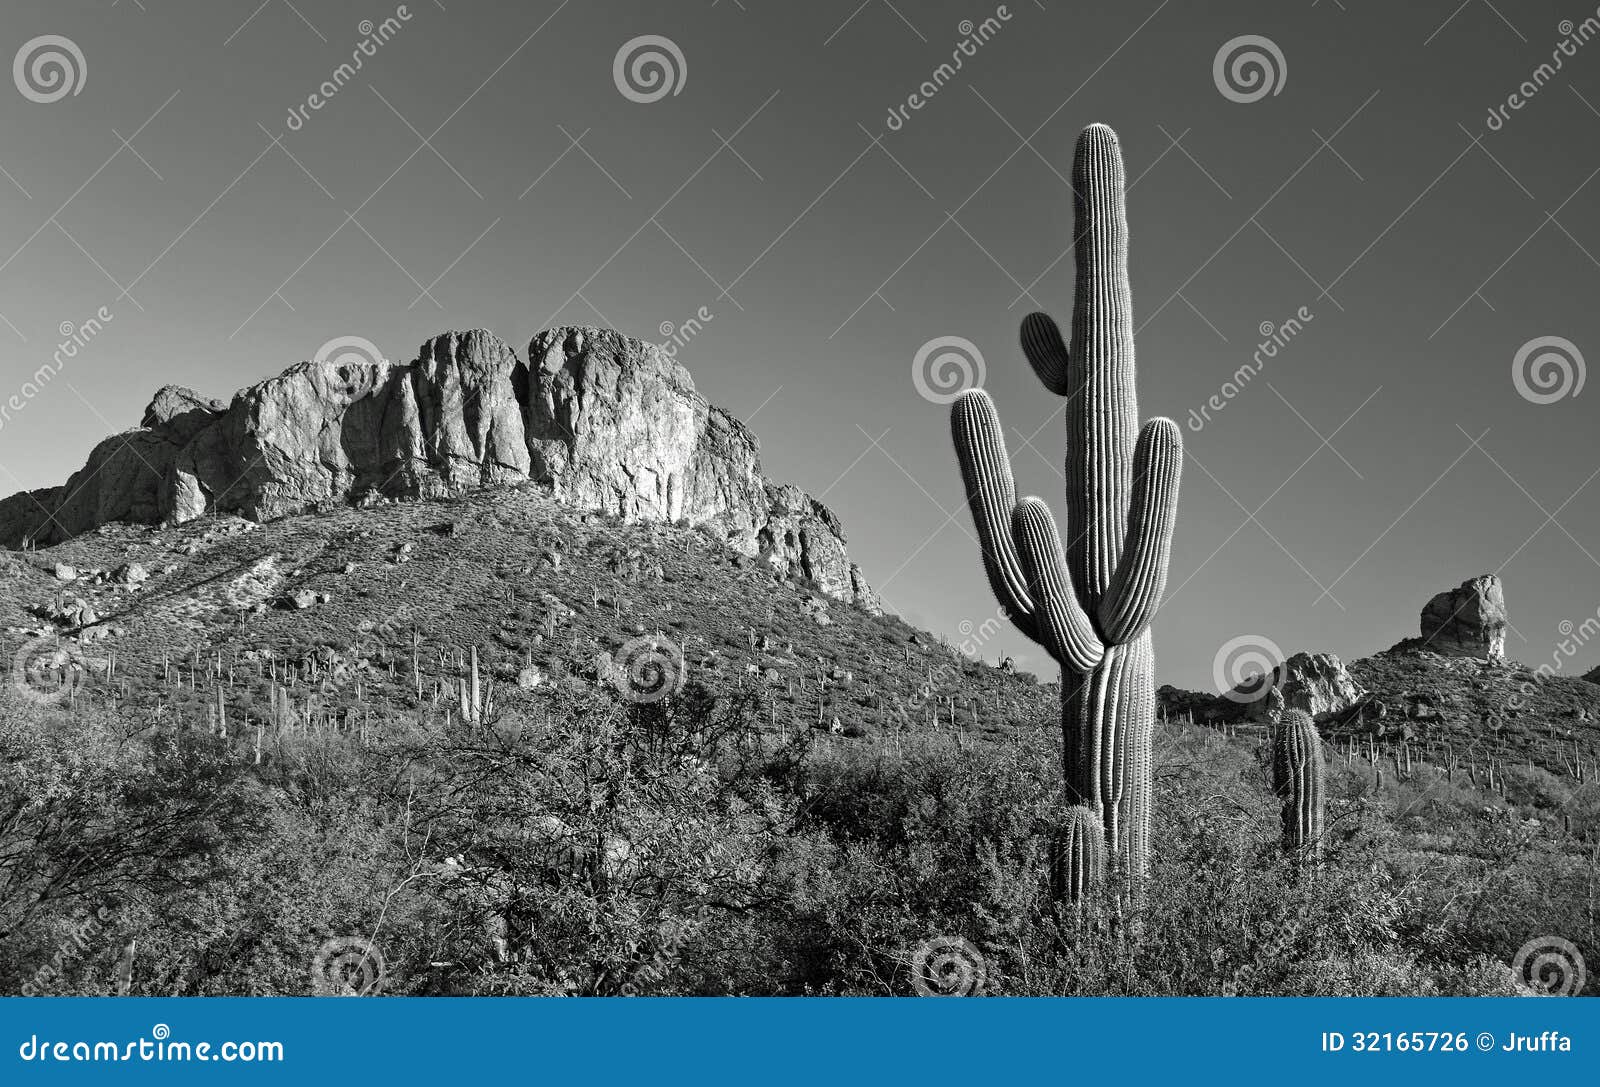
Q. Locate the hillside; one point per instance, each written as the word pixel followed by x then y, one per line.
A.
pixel 538 589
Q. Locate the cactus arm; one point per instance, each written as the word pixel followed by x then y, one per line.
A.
pixel 1135 591
pixel 1064 627
pixel 1103 411
pixel 992 495
pixel 1047 353
pixel 1077 855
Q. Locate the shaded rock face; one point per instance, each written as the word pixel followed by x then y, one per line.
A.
pixel 605 421
pixel 1468 621
pixel 1317 683
pixel 615 425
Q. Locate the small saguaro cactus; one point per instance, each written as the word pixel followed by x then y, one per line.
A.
pixel 1077 854
pixel 1089 605
pixel 1298 779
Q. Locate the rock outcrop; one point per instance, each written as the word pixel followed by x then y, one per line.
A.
pixel 1468 621
pixel 606 422
pixel 1317 683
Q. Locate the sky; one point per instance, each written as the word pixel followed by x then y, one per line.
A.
pixel 487 166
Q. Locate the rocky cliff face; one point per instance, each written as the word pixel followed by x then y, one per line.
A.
pixel 1467 621
pixel 605 421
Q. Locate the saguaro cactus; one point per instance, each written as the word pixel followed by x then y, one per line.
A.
pixel 1077 854
pixel 1298 779
pixel 1089 605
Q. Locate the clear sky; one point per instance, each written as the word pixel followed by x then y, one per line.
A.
pixel 484 169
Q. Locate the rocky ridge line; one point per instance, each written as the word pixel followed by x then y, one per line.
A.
pixel 604 421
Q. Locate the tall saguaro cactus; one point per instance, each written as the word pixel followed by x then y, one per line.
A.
pixel 1090 604
pixel 1298 779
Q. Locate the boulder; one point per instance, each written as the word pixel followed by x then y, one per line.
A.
pixel 1468 621
pixel 299 600
pixel 131 574
pixel 1317 683
pixel 181 413
pixel 606 422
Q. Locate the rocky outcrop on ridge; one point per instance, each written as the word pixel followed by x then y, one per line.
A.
pixel 1317 683
pixel 1467 621
pixel 606 422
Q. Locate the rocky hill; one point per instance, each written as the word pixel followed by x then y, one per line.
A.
pixel 601 421
pixel 1448 696
pixel 382 523
pixel 376 615
pixel 352 535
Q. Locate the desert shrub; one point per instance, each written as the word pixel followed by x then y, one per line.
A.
pixel 581 844
pixel 96 817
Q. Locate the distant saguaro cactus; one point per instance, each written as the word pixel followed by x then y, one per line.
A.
pixel 1089 606
pixel 1077 854
pixel 1298 778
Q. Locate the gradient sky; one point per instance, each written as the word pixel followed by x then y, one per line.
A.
pixel 827 260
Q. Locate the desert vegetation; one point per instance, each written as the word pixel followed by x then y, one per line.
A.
pixel 580 843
